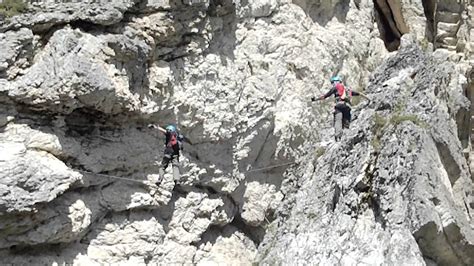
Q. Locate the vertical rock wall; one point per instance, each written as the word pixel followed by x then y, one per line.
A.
pixel 79 82
pixel 397 189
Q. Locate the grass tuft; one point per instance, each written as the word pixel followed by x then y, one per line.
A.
pixel 10 8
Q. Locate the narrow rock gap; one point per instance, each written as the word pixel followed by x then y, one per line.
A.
pixel 264 143
pixel 255 233
pixel 32 117
pixel 390 36
pixel 436 245
pixel 463 122
pixel 467 210
pixel 41 249
pixel 209 190
pixel 46 34
pixel 453 248
pixel 470 129
pixel 336 196
pixel 449 163
pixel 87 26
pixel 370 196
pixel 379 216
pixel 429 8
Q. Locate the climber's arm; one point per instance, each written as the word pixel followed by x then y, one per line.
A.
pixel 162 130
pixel 324 96
pixel 357 93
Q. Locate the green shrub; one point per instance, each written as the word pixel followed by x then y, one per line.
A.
pixel 319 152
pixel 424 44
pixel 9 8
pixel 377 131
pixel 398 119
pixel 376 143
pixel 379 123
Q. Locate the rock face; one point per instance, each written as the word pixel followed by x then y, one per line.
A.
pixel 397 189
pixel 263 180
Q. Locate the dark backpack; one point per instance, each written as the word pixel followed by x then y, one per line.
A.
pixel 175 139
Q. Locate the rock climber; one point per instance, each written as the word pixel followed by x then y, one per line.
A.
pixel 173 145
pixel 342 108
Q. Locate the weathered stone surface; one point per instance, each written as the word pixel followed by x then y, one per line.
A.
pixel 225 246
pixel 77 62
pixel 194 214
pixel 16 48
pixel 405 146
pixel 31 173
pixel 79 82
pixel 258 201
pixel 68 221
pixel 262 8
pixel 46 15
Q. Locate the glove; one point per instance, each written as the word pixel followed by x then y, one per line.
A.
pixel 313 99
pixel 151 126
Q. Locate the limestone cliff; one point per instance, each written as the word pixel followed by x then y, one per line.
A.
pixel 81 80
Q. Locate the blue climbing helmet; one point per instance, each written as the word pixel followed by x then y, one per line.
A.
pixel 335 78
pixel 170 128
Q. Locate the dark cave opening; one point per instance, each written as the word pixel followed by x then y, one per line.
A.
pixel 389 34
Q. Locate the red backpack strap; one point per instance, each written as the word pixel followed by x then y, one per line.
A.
pixel 341 91
pixel 173 139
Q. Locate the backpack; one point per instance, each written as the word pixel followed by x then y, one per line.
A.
pixel 343 93
pixel 173 139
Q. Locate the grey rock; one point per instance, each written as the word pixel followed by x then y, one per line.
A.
pixel 30 177
pixel 263 180
pixel 44 16
pixel 16 48
pixel 399 174
pixel 77 64
pixel 65 220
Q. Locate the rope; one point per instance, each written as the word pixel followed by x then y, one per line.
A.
pixel 146 182
pixel 114 177
pixel 269 167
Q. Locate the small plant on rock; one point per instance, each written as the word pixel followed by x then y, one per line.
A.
pixel 398 119
pixel 319 152
pixel 424 44
pixel 377 130
pixel 9 8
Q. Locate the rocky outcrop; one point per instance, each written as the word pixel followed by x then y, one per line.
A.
pixel 397 184
pixel 80 81
pixel 391 22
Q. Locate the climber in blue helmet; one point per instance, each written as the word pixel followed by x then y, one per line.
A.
pixel 173 146
pixel 335 79
pixel 342 108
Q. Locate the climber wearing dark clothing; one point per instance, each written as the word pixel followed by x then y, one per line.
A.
pixel 173 146
pixel 342 107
